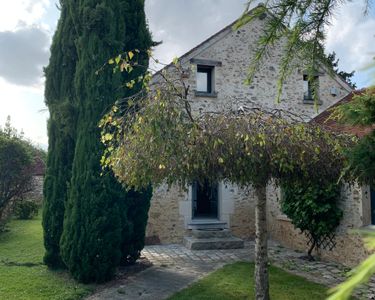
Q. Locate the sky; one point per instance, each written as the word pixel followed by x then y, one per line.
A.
pixel 27 27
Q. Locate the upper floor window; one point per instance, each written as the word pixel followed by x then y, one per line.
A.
pixel 310 87
pixel 205 76
pixel 204 79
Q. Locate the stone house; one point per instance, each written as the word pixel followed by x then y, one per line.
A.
pixel 38 172
pixel 216 71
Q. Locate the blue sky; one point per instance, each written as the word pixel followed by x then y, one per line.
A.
pixel 27 26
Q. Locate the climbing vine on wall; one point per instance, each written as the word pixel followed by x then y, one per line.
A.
pixel 313 207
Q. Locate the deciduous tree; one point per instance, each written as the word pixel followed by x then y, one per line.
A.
pixel 302 24
pixel 159 140
pixel 16 163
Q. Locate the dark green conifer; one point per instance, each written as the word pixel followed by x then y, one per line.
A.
pixel 59 97
pixel 133 234
pixel 99 221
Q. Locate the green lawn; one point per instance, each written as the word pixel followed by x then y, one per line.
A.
pixel 22 274
pixel 235 281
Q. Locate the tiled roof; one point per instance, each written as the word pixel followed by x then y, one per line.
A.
pixel 325 120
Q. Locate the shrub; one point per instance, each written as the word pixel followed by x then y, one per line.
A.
pixel 15 171
pixel 312 208
pixel 25 209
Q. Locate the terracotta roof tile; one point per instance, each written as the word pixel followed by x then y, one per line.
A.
pixel 325 120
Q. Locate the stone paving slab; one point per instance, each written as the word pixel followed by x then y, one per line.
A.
pixel 175 267
pixel 158 282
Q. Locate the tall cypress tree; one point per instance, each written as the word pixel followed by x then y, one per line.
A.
pixel 98 223
pixel 59 95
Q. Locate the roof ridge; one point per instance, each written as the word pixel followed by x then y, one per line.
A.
pixel 230 25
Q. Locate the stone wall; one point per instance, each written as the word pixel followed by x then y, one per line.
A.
pixel 171 210
pixel 37 191
pixel 242 219
pixel 165 223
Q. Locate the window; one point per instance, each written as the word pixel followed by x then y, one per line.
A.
pixel 205 76
pixel 205 79
pixel 309 87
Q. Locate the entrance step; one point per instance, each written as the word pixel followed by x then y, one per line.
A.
pixel 207 234
pixel 194 243
pixel 207 224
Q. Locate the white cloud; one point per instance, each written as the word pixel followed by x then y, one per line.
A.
pixel 24 41
pixel 24 44
pixel 352 36
pixel 21 12
pixel 23 53
pixel 182 25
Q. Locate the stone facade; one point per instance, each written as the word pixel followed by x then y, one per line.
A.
pixel 165 222
pixel 229 53
pixel 36 194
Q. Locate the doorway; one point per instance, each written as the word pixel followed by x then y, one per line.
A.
pixel 205 200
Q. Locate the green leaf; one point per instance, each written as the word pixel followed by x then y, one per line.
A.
pixel 108 137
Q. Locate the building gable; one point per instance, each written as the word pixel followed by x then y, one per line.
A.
pixel 228 54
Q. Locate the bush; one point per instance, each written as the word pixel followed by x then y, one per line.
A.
pixel 313 208
pixel 15 171
pixel 25 209
pixel 3 227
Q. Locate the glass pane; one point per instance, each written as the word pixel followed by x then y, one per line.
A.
pixel 202 81
pixel 306 90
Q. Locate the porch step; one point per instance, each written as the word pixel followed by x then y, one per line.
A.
pixel 207 234
pixel 207 224
pixel 193 243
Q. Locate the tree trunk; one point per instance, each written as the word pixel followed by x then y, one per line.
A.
pixel 309 255
pixel 261 256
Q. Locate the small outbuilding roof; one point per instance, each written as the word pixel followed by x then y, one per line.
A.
pixel 325 119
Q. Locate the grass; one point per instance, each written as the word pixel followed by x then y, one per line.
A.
pixel 24 277
pixel 235 281
pixel 22 274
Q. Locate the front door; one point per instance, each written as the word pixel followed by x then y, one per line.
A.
pixel 205 200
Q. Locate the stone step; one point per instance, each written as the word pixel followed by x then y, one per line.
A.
pixel 193 243
pixel 207 224
pixel 210 233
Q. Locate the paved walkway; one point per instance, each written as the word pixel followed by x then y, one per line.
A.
pixel 175 267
